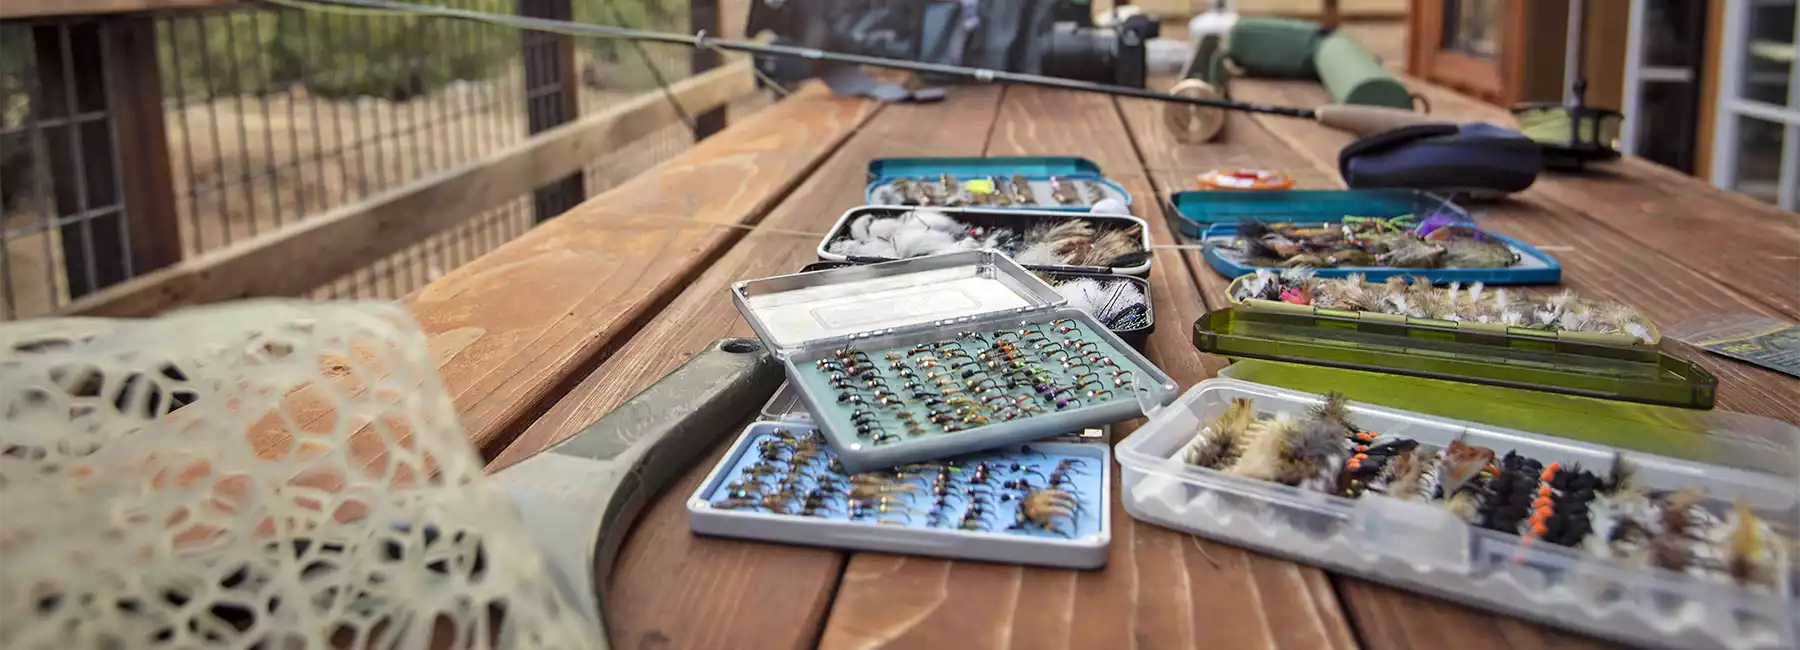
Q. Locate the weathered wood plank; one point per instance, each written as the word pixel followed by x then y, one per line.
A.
pixel 515 327
pixel 300 257
pixel 1159 587
pixel 1391 618
pixel 1597 260
pixel 1174 167
pixel 689 591
pixel 1043 122
pixel 1745 243
pixel 1599 263
pixel 1733 239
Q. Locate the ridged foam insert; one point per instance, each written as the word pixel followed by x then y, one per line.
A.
pixel 889 419
pixel 265 474
pixel 914 503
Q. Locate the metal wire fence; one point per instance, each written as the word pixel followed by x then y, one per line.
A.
pixel 275 116
pixel 50 121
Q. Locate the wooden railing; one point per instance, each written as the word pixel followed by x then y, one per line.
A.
pixel 123 217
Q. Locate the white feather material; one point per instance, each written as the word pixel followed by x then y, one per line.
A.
pixel 1106 301
pixel 1040 253
pixel 913 234
pixel 883 229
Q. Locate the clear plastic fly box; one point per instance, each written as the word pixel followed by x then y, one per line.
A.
pixel 925 358
pixel 1647 549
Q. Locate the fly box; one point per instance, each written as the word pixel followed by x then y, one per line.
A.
pixel 1495 358
pixel 1060 183
pixel 1529 265
pixel 1646 549
pixel 785 406
pixel 1622 326
pixel 1120 302
pixel 1044 503
pixel 918 359
pixel 1089 242
pixel 1395 233
pixel 1196 211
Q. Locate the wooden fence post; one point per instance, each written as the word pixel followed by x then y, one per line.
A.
pixel 552 96
pixel 116 191
pixel 704 15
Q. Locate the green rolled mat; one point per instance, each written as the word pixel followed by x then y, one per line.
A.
pixel 1354 76
pixel 1274 47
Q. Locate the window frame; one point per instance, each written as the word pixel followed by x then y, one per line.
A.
pixel 1732 106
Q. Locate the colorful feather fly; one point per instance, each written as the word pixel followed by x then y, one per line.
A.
pixel 1541 503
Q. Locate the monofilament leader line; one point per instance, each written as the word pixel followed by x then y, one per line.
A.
pixel 703 40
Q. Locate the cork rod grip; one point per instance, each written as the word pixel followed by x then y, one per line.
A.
pixel 1363 120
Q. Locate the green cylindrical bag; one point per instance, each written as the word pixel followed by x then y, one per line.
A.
pixel 1354 76
pixel 1275 47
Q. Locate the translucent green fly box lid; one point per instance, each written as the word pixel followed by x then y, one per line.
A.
pixel 1633 374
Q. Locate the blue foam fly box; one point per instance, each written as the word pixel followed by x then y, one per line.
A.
pixel 1064 183
pixel 1212 217
pixel 1199 210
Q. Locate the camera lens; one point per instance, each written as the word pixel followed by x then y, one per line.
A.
pixel 1085 54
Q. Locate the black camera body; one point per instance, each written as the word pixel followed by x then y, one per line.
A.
pixel 1048 37
pixel 1106 55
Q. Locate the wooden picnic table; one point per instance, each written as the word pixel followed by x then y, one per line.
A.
pixel 552 330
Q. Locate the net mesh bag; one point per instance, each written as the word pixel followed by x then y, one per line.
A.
pixel 269 474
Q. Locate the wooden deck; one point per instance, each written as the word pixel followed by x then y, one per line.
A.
pixel 554 329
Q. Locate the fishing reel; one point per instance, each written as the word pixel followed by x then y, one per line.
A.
pixel 1571 134
pixel 1112 55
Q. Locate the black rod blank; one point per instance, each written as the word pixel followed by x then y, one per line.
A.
pixel 702 40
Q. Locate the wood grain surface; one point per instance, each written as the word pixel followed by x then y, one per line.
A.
pixel 1160 588
pixel 1596 261
pixel 1748 244
pixel 521 325
pixel 756 595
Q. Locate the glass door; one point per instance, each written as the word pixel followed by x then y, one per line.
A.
pixel 1664 74
pixel 1756 145
pixel 1472 28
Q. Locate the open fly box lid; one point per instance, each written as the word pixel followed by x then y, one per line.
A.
pixel 1134 333
pixel 1634 374
pixel 1037 170
pixel 807 317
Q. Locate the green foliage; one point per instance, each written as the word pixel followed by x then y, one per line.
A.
pixel 218 54
pixel 623 60
pixel 249 51
pixel 394 57
pixel 15 63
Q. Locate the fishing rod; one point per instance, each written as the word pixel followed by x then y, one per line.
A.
pixel 1199 115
